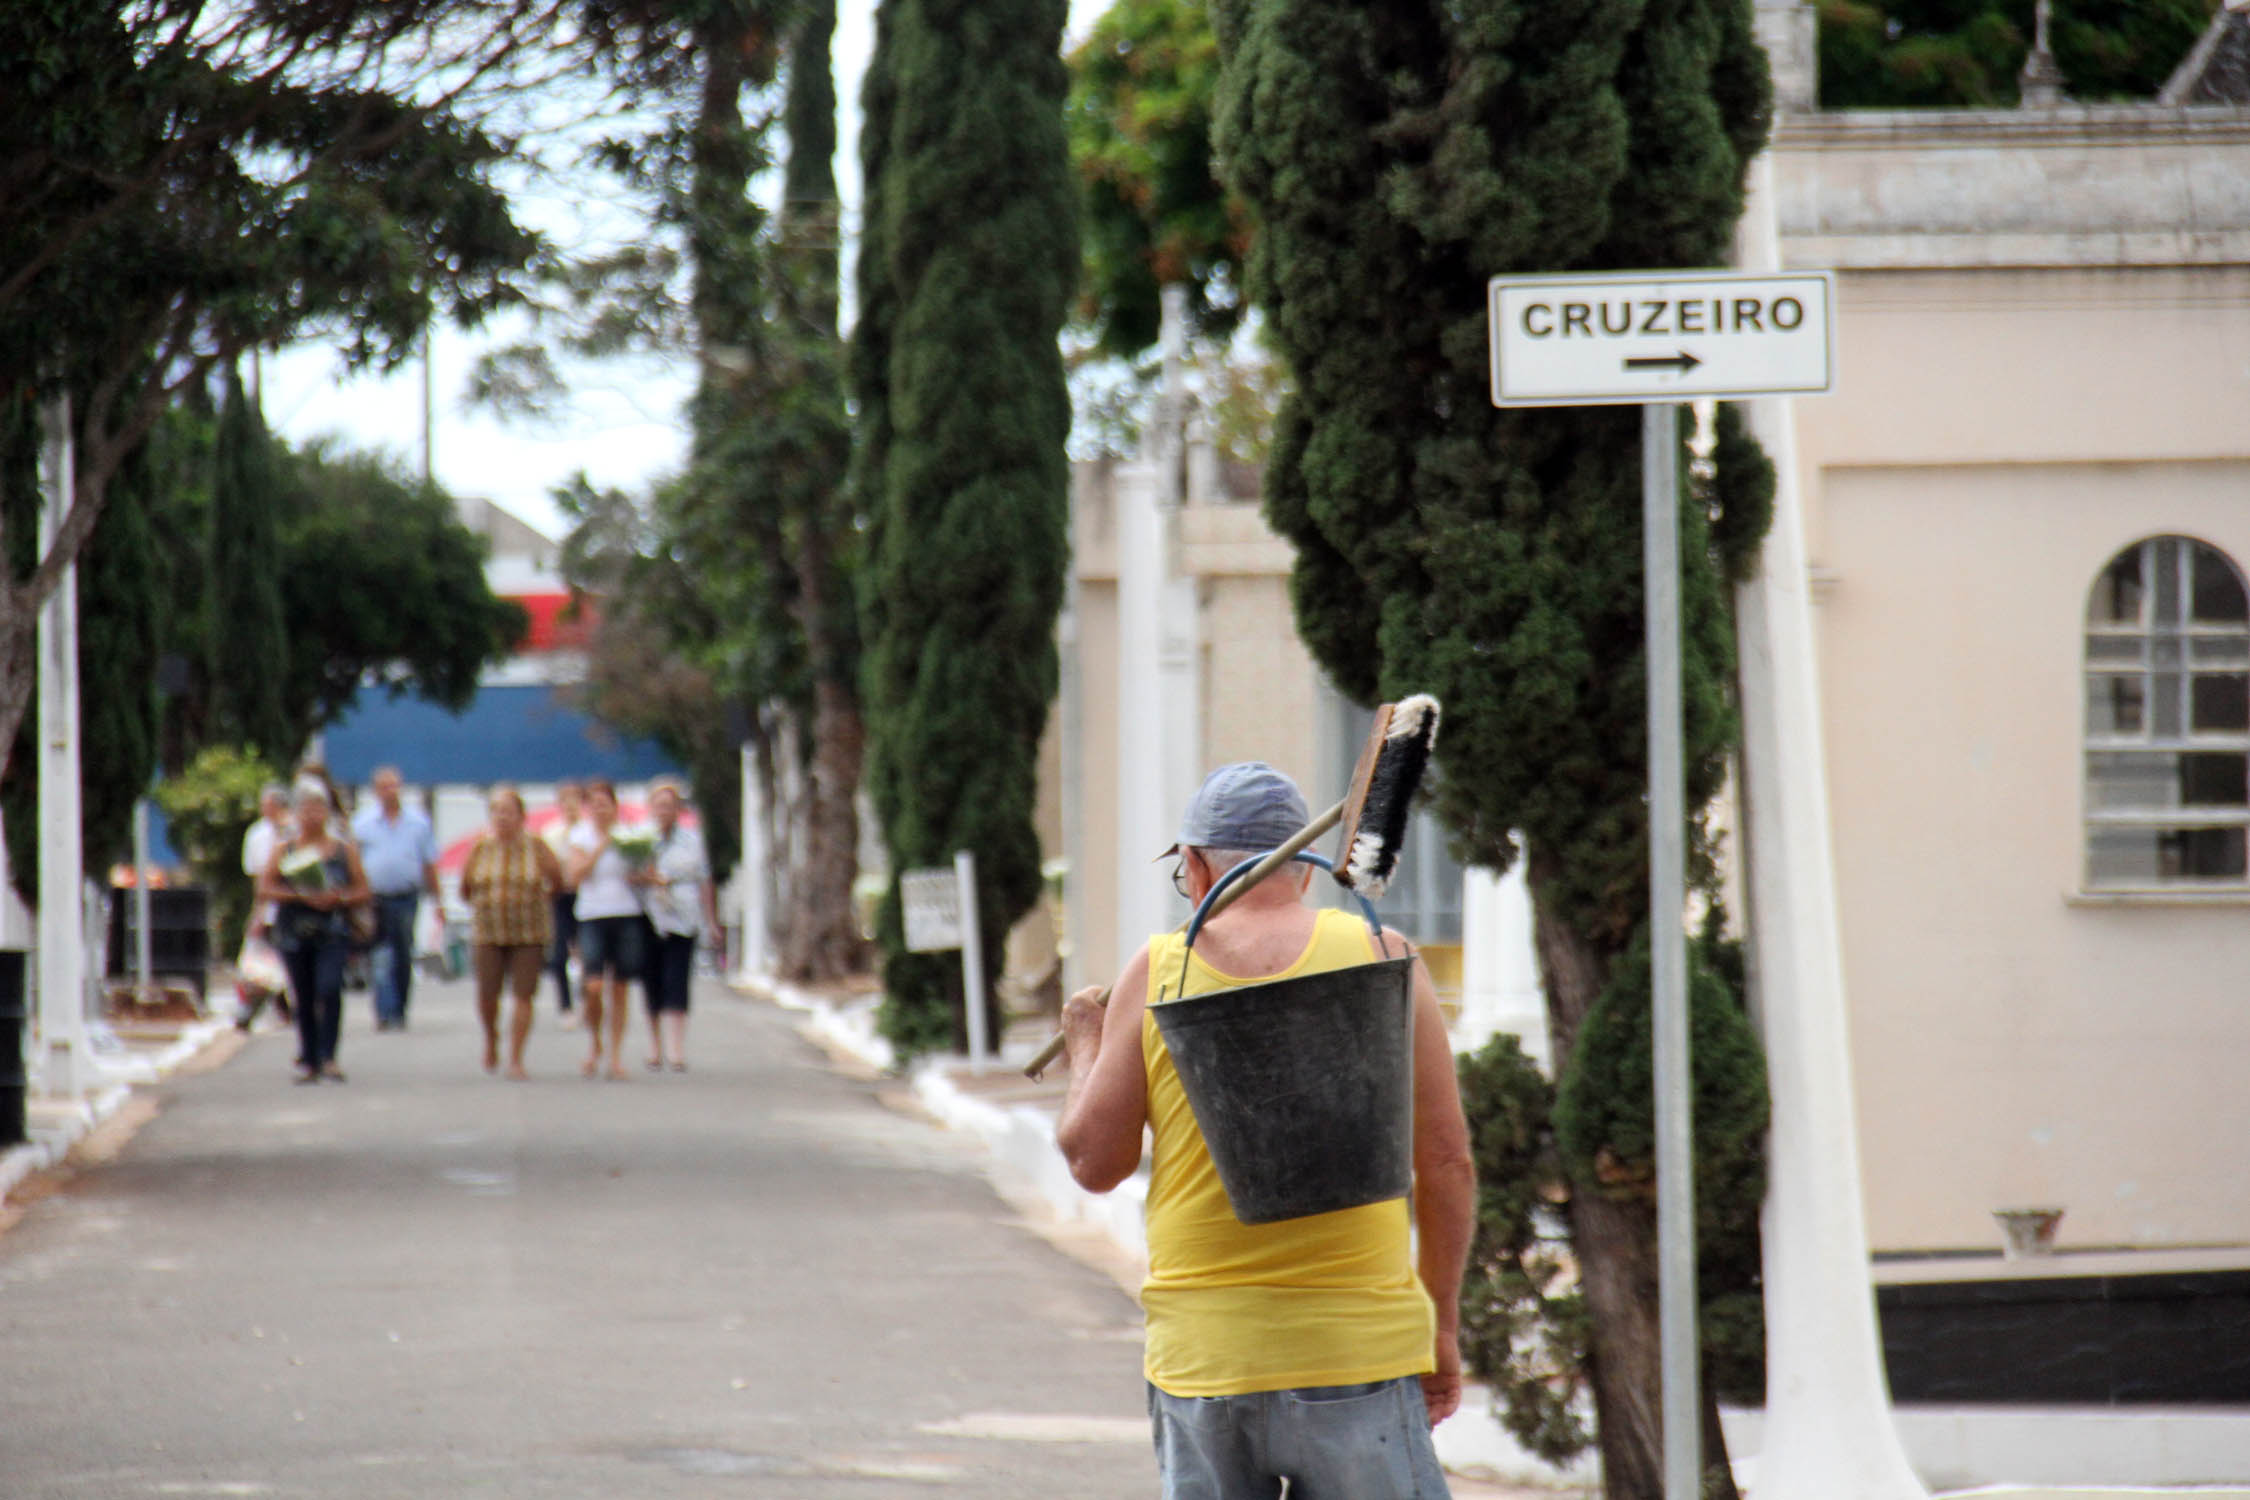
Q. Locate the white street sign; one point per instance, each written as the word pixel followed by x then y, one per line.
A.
pixel 1646 336
pixel 931 902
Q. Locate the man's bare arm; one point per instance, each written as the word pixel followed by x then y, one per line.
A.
pixel 1106 1108
pixel 1445 1190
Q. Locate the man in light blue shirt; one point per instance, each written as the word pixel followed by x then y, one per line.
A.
pixel 398 849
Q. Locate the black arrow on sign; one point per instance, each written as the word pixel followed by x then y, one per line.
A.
pixel 1682 362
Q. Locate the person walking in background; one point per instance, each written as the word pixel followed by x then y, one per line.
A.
pixel 676 891
pixel 609 926
pixel 272 830
pixel 399 852
pixel 570 811
pixel 510 881
pixel 313 879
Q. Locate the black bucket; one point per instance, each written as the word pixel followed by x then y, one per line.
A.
pixel 1303 1087
pixel 12 1017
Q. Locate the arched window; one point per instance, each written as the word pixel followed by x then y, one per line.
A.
pixel 2167 719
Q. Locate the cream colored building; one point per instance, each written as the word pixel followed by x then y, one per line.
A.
pixel 2027 505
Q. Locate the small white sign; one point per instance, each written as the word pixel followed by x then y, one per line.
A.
pixel 1649 336
pixel 931 900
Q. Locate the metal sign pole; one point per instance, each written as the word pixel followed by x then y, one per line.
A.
pixel 1667 857
pixel 972 960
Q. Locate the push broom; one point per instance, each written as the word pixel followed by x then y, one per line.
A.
pixel 1374 815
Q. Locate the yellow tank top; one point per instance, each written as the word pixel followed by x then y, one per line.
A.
pixel 1332 1299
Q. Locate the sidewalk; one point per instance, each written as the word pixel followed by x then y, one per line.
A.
pixel 55 1125
pixel 1015 1119
pixel 2003 1452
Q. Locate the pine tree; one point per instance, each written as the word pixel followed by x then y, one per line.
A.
pixel 1396 157
pixel 967 267
pixel 249 642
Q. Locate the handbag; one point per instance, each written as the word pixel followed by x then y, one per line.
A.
pixel 359 919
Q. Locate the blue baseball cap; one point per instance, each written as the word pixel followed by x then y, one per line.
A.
pixel 1248 805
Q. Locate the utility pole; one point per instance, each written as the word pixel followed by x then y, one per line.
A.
pixel 63 1063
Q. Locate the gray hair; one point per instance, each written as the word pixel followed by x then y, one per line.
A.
pixel 272 791
pixel 1223 860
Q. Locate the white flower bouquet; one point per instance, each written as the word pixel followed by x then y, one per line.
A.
pixel 305 869
pixel 636 846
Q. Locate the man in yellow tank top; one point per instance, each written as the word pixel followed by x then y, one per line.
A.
pixel 1319 1350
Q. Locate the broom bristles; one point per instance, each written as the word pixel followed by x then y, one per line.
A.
pixel 1382 795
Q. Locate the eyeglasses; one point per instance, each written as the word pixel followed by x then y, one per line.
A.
pixel 1179 879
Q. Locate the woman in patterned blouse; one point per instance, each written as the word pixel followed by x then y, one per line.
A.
pixel 509 881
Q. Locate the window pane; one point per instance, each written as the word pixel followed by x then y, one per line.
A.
pixel 2167 569
pixel 2218 590
pixel 2115 703
pixel 2121 779
pixel 2221 701
pixel 2152 780
pixel 2117 593
pixel 2121 856
pixel 2200 854
pixel 2214 779
pixel 2167 711
pixel 2222 648
pixel 2117 648
pixel 2150 856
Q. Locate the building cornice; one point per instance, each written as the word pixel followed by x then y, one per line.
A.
pixel 2082 126
pixel 2081 186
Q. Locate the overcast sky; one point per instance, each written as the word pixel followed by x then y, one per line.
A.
pixel 624 423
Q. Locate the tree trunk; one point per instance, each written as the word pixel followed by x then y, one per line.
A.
pixel 1614 1238
pixel 830 944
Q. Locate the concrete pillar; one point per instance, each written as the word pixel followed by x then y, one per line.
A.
pixel 1159 649
pixel 1791 33
pixel 1828 1431
pixel 1500 989
pixel 64 1066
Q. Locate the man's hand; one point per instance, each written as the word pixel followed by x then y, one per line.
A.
pixel 1082 1017
pixel 1441 1388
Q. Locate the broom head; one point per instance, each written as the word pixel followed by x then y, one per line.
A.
pixel 1381 799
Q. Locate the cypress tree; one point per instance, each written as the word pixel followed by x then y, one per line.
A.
pixel 809 467
pixel 249 643
pixel 1396 158
pixel 967 269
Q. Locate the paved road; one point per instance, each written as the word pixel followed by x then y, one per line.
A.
pixel 753 1279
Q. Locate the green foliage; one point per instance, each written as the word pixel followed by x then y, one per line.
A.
pixel 1139 124
pixel 1524 1329
pixel 247 638
pixel 1939 54
pixel 966 271
pixel 174 190
pixel 382 588
pixel 1605 1128
pixel 208 808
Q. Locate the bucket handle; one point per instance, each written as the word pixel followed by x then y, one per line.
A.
pixel 1204 908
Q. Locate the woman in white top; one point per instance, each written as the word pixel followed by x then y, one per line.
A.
pixel 608 909
pixel 676 889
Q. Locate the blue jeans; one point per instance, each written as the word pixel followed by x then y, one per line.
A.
pixel 1336 1442
pixel 391 960
pixel 316 977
